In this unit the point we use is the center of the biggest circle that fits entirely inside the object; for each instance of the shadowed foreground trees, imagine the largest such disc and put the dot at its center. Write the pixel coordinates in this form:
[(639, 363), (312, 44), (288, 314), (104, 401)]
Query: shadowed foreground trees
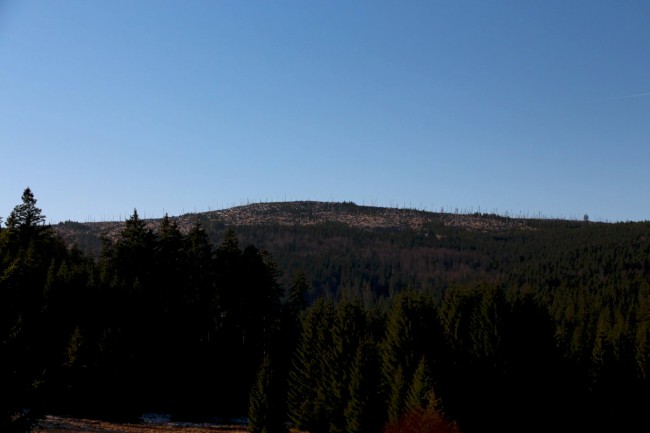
[(186, 319), (160, 315), (483, 359), (33, 265), (555, 337)]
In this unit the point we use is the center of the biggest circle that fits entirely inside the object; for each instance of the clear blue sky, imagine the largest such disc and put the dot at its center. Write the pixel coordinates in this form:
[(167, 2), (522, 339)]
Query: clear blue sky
[(524, 107)]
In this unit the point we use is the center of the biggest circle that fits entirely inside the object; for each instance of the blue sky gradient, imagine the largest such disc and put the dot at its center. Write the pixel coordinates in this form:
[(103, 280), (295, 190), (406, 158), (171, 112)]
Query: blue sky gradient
[(519, 107)]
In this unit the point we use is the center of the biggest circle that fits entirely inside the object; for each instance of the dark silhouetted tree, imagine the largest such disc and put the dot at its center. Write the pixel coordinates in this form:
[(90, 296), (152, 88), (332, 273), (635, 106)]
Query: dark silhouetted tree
[(29, 336), (265, 413), (298, 290), (411, 333), (364, 401), (26, 219)]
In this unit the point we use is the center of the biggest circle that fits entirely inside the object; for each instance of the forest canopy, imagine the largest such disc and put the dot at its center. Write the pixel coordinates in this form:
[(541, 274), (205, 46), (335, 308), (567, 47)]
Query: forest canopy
[(328, 327)]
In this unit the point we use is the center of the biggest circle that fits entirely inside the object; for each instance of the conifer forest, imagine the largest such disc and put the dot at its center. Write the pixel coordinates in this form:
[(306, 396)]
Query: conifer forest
[(516, 325)]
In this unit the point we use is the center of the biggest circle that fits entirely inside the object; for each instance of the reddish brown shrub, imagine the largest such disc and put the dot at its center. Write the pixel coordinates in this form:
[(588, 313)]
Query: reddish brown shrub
[(422, 421)]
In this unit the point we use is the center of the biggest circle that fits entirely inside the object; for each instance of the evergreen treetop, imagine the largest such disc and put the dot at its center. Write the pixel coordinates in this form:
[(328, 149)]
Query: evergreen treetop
[(26, 215)]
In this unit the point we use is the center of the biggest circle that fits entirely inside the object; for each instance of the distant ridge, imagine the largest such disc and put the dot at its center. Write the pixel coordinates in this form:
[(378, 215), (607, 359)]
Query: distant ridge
[(305, 213), (375, 251)]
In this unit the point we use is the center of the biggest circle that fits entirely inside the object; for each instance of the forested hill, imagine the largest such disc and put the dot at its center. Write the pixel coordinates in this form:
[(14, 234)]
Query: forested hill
[(328, 317), (300, 213), (378, 251)]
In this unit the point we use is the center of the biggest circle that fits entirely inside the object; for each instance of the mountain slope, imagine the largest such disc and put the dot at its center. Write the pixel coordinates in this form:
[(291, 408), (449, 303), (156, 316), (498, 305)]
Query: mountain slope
[(375, 251), (306, 213)]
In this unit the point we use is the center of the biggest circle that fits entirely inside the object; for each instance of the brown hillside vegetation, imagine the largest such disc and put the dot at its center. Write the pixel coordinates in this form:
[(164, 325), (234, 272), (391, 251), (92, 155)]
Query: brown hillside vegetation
[(306, 213)]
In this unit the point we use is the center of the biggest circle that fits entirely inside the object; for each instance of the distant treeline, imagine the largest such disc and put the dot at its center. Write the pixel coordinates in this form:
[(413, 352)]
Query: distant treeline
[(342, 330)]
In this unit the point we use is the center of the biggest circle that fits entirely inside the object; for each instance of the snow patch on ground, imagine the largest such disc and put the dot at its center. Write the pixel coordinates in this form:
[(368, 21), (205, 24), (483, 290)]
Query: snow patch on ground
[(166, 419), (155, 418)]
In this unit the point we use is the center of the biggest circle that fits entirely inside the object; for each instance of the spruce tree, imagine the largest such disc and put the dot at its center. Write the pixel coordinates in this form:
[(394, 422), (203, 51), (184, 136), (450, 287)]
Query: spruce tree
[(265, 413), (308, 395), (297, 293), (411, 333), (29, 256), (26, 216), (228, 278), (134, 249), (199, 294), (363, 405), (420, 393), (347, 332)]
